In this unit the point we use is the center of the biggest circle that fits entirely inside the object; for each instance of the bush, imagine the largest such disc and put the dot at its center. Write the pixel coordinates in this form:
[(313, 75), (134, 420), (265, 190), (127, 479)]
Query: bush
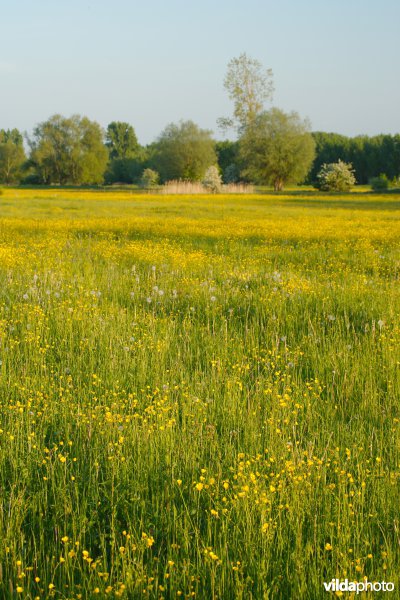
[(380, 183), (32, 179), (149, 179), (336, 177), (212, 180)]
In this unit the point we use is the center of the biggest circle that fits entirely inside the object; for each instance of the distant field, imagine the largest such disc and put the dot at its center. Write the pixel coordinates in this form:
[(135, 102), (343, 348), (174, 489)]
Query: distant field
[(199, 395)]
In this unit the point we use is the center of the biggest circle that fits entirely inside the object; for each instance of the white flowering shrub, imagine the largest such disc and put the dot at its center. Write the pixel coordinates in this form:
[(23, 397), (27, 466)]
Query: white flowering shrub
[(336, 177), (212, 180)]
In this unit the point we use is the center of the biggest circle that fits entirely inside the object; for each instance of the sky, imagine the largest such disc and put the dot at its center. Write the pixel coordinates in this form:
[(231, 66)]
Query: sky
[(152, 63)]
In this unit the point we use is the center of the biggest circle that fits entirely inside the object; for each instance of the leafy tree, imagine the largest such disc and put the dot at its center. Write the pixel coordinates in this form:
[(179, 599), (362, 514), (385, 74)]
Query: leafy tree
[(277, 148), (248, 84), (212, 180), (228, 160), (231, 174), (150, 179), (68, 150), (127, 157), (183, 151), (121, 140), (12, 155), (336, 177)]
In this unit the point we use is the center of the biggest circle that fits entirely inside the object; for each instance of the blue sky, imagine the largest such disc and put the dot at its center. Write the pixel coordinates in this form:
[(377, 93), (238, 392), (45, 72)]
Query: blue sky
[(335, 62)]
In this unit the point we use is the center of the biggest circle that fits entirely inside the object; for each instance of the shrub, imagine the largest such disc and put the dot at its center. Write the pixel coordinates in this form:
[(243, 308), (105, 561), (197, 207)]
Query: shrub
[(149, 179), (380, 183), (336, 177), (212, 180)]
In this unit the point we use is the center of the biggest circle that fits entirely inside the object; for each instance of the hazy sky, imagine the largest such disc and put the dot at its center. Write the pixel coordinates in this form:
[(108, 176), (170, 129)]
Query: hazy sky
[(155, 62)]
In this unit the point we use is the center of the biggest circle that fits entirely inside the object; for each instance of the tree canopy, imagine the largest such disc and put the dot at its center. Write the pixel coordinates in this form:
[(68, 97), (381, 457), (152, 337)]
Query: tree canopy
[(277, 148), (68, 150), (121, 140), (248, 85), (12, 155), (184, 151)]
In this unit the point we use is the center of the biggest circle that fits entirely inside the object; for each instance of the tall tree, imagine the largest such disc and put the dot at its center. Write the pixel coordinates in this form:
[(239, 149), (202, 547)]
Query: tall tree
[(184, 151), (121, 140), (248, 85), (12, 155), (277, 148), (68, 150)]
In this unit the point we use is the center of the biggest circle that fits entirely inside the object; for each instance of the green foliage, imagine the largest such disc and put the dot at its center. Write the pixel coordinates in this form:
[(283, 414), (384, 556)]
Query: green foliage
[(68, 150), (12, 155), (277, 148), (336, 177), (212, 180), (149, 179), (248, 85), (228, 160), (369, 156), (11, 135), (380, 183), (231, 174), (121, 140), (183, 151), (126, 170)]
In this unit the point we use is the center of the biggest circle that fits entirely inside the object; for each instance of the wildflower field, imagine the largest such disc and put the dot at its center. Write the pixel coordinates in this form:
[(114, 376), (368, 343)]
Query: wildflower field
[(199, 395)]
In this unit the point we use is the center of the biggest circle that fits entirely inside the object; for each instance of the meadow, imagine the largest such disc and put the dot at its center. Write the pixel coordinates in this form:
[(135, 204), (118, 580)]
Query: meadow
[(199, 395)]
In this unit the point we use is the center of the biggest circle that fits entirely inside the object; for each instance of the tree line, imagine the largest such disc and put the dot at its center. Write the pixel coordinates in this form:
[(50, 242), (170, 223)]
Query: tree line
[(76, 151), (272, 147)]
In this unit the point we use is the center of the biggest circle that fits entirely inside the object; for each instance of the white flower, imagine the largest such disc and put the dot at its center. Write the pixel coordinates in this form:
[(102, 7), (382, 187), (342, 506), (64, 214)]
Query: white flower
[(276, 276)]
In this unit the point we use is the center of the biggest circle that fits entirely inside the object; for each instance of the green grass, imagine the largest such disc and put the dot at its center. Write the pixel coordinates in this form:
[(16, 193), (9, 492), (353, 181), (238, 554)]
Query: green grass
[(199, 395)]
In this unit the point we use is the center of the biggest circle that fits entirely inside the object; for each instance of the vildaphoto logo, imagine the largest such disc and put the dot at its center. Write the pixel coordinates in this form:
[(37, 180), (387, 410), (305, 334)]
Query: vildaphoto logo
[(344, 585)]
